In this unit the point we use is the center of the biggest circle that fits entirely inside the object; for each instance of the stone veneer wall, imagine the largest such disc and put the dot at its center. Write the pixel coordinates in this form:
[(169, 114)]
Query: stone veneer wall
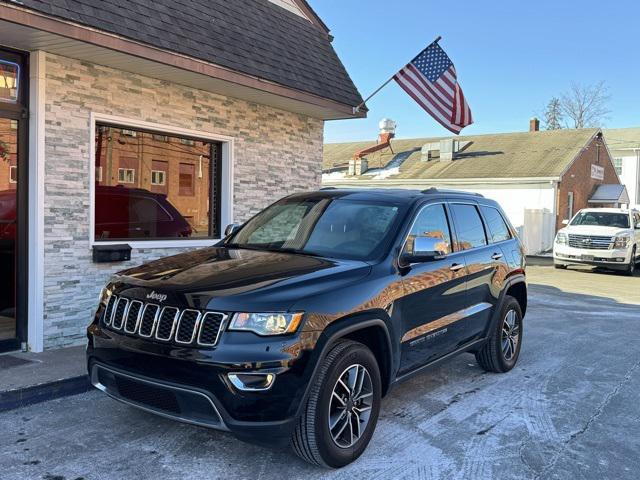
[(276, 153)]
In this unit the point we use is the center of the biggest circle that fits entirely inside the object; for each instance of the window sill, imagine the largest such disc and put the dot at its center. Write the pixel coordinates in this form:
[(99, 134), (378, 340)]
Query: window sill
[(146, 244)]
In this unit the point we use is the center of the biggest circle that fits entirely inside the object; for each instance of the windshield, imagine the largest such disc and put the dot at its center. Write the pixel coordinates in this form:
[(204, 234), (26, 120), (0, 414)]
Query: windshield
[(602, 219), (334, 228)]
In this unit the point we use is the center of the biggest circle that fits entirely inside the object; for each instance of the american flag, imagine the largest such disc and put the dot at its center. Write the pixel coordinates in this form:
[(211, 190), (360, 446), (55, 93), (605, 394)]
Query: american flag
[(430, 79)]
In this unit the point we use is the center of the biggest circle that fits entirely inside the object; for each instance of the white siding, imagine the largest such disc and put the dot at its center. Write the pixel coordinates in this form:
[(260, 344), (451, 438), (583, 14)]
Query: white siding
[(630, 176)]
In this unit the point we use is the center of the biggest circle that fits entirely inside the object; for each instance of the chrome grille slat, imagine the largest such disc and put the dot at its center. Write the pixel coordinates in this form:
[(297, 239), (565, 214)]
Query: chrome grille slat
[(592, 242), (211, 326), (108, 312), (166, 324), (149, 319), (187, 326), (133, 316), (120, 313)]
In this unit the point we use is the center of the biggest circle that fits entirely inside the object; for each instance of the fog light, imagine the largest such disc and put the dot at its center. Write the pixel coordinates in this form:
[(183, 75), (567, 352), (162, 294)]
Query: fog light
[(252, 382)]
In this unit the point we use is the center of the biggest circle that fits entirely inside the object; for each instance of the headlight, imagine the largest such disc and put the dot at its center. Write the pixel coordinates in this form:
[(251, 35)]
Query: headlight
[(561, 238), (621, 241), (105, 293), (266, 323)]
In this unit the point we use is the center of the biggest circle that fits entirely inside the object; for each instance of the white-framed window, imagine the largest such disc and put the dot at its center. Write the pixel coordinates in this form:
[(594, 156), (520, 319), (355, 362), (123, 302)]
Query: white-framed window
[(617, 163), (13, 174), (99, 173), (188, 141), (126, 175), (158, 177), (191, 222), (160, 138), (129, 133), (569, 206)]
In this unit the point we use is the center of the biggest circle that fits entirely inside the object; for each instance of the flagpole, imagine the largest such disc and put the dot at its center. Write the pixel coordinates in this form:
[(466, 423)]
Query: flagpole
[(364, 102)]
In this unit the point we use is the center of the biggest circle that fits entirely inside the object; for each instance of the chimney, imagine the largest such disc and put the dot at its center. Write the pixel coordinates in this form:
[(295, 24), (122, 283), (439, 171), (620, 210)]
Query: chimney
[(534, 125), (387, 132), (447, 149)]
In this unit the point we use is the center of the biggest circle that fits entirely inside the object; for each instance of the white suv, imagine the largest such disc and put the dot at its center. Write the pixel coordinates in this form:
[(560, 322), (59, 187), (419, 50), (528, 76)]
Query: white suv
[(605, 237)]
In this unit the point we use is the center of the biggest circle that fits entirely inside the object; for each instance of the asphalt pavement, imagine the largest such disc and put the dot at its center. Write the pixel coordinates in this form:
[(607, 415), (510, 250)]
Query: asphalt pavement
[(569, 410)]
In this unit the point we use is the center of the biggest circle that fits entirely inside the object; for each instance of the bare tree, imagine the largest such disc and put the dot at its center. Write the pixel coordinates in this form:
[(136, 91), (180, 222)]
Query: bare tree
[(585, 105), (552, 117)]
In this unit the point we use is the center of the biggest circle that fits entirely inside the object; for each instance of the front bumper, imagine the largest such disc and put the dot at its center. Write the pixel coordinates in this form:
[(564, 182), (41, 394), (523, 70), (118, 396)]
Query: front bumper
[(191, 384), (616, 259)]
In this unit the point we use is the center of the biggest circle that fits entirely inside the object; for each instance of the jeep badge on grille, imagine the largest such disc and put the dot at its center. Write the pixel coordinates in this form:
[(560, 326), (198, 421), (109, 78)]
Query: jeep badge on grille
[(158, 297)]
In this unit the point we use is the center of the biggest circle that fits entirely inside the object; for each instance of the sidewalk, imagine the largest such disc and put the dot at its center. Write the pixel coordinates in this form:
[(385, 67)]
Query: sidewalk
[(27, 377)]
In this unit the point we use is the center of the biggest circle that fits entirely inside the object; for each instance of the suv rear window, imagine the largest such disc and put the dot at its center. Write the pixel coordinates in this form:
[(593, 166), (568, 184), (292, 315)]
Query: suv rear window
[(469, 228), (496, 226)]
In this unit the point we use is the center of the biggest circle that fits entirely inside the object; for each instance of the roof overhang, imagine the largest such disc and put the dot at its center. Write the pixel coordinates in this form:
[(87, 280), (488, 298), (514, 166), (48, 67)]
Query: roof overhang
[(26, 30), (612, 193)]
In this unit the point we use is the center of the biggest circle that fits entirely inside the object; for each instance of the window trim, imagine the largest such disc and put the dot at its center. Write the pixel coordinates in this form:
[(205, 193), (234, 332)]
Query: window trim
[(13, 168), (488, 230), (164, 178), (422, 207), (125, 170), (227, 162), (482, 221)]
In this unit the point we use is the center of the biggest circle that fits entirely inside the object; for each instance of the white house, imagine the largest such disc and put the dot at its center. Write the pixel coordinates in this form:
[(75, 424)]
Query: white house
[(624, 145)]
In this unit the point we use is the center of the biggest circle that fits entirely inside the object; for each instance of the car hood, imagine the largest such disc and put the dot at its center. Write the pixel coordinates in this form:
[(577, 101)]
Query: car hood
[(595, 230), (230, 279)]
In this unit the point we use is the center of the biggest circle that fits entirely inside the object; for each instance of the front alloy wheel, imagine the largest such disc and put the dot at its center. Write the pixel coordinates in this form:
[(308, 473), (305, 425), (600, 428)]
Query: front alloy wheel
[(340, 415), (350, 406)]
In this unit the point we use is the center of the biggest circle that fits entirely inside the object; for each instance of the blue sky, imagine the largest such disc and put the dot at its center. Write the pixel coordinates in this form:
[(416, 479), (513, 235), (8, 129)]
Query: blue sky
[(511, 57)]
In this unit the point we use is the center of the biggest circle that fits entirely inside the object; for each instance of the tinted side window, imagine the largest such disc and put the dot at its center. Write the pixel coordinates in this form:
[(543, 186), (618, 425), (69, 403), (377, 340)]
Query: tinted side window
[(498, 230), (431, 222), (469, 228)]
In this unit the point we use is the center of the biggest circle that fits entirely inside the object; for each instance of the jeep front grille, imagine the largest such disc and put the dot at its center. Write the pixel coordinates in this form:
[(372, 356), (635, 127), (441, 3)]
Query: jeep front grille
[(591, 242), (166, 324)]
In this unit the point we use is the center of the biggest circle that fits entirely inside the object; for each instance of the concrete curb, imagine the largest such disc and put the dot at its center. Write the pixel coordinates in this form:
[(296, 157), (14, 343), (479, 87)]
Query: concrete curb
[(21, 397)]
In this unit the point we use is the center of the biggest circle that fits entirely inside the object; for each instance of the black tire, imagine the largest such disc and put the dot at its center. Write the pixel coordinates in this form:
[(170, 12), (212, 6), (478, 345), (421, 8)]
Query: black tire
[(312, 440), (559, 266), (631, 268), (491, 356)]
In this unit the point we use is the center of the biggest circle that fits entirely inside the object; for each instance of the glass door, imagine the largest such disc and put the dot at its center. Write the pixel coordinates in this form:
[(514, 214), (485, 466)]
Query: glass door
[(13, 199), (8, 226)]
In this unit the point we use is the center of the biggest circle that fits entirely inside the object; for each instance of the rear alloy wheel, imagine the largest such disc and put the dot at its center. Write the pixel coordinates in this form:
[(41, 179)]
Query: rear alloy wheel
[(502, 349), (342, 410)]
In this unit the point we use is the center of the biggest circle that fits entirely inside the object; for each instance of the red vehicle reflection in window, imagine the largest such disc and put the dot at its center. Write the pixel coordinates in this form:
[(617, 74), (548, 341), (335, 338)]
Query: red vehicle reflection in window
[(132, 213), (121, 214), (8, 215)]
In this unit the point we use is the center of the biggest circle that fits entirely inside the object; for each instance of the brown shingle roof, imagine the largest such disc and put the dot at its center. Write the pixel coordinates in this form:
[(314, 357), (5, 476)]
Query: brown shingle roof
[(255, 37), (504, 155)]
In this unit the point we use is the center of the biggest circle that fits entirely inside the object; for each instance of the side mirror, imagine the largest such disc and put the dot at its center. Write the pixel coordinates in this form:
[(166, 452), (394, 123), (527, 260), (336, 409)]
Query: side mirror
[(565, 221), (231, 229), (426, 249)]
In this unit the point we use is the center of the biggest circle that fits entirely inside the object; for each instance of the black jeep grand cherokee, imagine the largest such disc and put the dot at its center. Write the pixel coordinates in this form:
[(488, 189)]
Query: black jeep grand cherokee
[(297, 323)]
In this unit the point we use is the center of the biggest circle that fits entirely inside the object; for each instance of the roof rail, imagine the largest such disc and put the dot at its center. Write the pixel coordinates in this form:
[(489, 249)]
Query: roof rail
[(438, 190)]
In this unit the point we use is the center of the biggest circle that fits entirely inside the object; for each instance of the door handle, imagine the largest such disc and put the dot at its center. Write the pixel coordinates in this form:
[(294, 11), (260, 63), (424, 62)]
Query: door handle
[(496, 256), (456, 266)]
